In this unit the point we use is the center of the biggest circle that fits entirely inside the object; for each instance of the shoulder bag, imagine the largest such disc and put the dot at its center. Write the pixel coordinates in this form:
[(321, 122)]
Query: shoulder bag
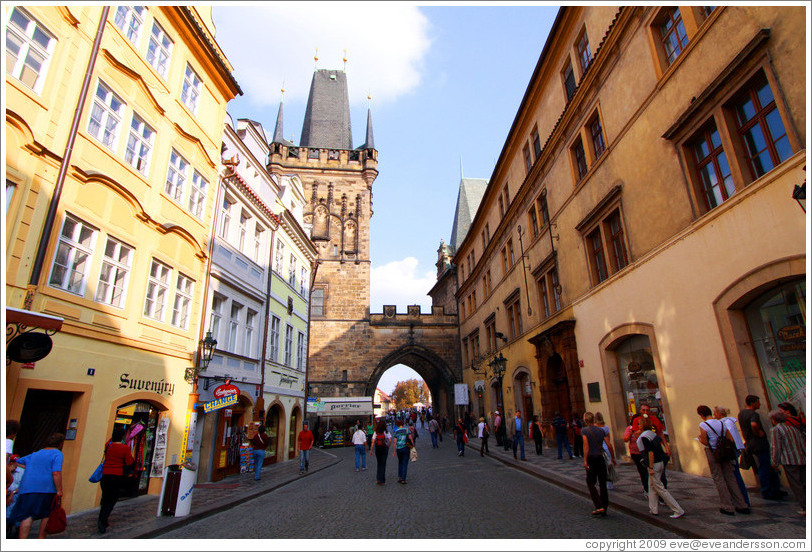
[(96, 476)]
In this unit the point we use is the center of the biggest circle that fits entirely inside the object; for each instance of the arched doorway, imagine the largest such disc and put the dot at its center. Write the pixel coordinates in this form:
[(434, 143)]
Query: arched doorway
[(523, 393), (140, 421), (275, 426), (497, 395), (560, 387), (231, 424), (295, 423)]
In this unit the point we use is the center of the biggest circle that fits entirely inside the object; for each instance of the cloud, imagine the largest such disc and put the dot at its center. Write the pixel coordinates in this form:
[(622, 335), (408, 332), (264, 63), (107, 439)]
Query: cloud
[(268, 44), (398, 283)]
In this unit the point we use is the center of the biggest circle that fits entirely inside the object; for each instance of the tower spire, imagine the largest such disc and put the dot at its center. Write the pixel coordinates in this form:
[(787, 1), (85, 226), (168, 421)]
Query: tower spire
[(316, 60), (370, 141), (277, 133), (461, 176)]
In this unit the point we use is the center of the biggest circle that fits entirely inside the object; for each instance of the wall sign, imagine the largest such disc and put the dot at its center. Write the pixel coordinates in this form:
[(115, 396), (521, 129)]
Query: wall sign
[(159, 456), (160, 386), (228, 400), (225, 391)]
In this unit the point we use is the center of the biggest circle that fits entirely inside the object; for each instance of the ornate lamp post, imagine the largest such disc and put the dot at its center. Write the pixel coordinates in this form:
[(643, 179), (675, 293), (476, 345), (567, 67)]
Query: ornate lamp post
[(498, 365), (205, 352)]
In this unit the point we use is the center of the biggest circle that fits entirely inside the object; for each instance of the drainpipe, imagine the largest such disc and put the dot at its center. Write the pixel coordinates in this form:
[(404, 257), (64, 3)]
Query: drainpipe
[(47, 229), (314, 269), (259, 406)]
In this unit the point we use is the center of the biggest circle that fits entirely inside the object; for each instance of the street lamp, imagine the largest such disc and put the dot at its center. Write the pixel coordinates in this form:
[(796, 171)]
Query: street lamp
[(799, 195), (498, 364), (207, 346)]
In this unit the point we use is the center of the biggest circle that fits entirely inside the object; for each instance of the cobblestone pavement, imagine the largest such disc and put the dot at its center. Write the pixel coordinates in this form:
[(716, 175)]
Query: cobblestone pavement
[(458, 497), (446, 496)]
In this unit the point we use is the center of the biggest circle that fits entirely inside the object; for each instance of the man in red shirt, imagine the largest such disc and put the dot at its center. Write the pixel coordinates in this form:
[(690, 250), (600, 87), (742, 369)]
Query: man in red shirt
[(305, 444), (658, 428)]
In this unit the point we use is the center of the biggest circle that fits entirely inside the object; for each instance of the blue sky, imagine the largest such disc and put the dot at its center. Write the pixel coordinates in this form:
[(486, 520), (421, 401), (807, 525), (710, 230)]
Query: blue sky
[(445, 83)]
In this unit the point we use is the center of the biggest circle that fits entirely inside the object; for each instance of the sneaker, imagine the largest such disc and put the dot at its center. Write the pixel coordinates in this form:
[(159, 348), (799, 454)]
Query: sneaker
[(726, 512), (677, 516), (301, 472)]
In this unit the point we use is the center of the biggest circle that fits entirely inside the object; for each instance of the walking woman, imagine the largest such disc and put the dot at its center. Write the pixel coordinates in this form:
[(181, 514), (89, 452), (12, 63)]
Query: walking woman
[(593, 438), (651, 445), (380, 444), (537, 435), (117, 456), (483, 434), (608, 450), (42, 480), (403, 443), (460, 434), (710, 431), (259, 442)]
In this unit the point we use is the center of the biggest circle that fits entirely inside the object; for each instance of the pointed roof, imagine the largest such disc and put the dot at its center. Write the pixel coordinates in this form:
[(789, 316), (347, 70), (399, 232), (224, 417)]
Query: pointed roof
[(370, 141), (277, 132), (327, 117), (470, 195)]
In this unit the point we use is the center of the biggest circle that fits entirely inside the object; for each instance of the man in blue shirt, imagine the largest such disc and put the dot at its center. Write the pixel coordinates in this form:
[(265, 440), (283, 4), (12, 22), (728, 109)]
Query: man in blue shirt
[(518, 437), (402, 439)]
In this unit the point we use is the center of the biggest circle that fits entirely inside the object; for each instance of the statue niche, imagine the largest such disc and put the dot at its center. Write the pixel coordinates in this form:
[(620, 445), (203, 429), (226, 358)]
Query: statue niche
[(321, 223), (351, 237)]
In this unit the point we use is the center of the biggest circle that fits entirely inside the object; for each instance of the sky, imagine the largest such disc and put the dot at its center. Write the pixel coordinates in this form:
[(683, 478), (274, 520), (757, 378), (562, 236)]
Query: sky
[(445, 84)]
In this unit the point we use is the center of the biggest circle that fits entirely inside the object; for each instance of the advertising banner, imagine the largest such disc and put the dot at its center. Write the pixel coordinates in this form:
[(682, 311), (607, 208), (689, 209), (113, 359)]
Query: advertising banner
[(339, 406), (460, 394)]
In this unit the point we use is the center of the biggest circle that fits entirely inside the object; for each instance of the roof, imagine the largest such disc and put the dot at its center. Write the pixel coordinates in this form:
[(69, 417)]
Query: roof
[(471, 192), (327, 117)]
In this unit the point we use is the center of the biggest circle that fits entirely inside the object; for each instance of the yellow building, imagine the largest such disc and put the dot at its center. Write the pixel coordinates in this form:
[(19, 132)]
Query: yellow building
[(112, 149), (638, 239)]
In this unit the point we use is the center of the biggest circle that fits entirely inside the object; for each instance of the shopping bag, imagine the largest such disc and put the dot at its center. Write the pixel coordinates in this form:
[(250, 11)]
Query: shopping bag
[(413, 455), (57, 521), (96, 476)]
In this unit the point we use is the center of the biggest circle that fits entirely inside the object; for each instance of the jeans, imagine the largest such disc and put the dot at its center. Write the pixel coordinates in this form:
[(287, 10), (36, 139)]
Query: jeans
[(380, 455), (767, 476), (460, 445), (563, 441), (111, 488), (518, 442), (596, 472), (403, 462), (739, 481), (659, 491), (578, 445), (434, 439), (483, 447), (258, 455), (304, 460), (360, 457)]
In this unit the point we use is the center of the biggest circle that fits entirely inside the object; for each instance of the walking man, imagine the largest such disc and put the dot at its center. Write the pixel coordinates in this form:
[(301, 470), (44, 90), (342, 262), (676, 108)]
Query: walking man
[(434, 431), (305, 444), (561, 438), (518, 436), (498, 428), (757, 443)]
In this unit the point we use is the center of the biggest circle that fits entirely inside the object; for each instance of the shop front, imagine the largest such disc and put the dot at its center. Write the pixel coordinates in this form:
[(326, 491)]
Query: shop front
[(146, 426)]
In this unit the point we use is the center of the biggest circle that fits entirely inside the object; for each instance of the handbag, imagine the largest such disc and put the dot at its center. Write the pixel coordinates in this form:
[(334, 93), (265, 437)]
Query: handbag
[(57, 520), (413, 455), (746, 460), (611, 472), (464, 437), (96, 476)]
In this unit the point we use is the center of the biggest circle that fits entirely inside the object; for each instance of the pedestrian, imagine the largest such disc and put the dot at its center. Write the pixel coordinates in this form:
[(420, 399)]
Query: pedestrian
[(594, 464), (118, 463), (537, 434), (758, 445), (659, 429), (41, 482), (359, 439), (498, 427), (651, 445), (305, 439), (793, 418), (434, 431), (12, 427), (608, 450), (16, 472), (577, 442), (561, 426), (370, 431), (483, 434), (518, 435), (460, 435), (710, 432), (630, 437), (721, 413), (788, 449), (259, 442), (403, 444), (380, 444)]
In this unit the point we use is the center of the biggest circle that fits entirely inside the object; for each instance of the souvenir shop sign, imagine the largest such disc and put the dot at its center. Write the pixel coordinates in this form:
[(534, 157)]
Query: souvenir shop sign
[(160, 386), (335, 406), (228, 400)]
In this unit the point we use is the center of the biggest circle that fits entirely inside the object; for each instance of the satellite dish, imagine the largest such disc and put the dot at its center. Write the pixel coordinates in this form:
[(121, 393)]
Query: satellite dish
[(29, 347)]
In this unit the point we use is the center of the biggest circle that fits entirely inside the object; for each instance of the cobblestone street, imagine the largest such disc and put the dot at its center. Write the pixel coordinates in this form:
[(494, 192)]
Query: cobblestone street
[(446, 496)]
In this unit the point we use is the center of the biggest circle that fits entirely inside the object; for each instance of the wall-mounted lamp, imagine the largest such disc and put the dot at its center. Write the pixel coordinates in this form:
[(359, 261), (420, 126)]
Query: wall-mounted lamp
[(799, 194)]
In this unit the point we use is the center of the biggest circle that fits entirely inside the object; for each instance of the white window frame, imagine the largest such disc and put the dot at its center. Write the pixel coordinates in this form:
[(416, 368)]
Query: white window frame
[(190, 90), (77, 256), (235, 313), (225, 218), (197, 194), (117, 262), (248, 337), (288, 345), (259, 237), (274, 337), (139, 144), (106, 115), (29, 48), (181, 308), (303, 282), (130, 22), (159, 49), (300, 352), (217, 303), (176, 176), (242, 229), (280, 256), (157, 290), (292, 271)]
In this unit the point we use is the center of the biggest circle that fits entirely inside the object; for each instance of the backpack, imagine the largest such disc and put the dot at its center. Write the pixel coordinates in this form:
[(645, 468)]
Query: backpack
[(725, 450), (560, 425), (380, 439)]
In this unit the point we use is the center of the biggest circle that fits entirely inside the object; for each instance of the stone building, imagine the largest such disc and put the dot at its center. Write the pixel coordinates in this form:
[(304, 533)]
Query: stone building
[(641, 241), (114, 122)]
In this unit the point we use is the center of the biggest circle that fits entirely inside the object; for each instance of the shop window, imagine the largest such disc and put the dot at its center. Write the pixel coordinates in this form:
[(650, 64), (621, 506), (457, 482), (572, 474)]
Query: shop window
[(777, 324), (638, 377), (146, 435), (77, 242), (29, 47)]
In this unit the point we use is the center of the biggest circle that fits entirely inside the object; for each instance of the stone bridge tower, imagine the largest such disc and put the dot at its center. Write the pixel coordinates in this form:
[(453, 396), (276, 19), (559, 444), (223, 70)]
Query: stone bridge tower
[(348, 350)]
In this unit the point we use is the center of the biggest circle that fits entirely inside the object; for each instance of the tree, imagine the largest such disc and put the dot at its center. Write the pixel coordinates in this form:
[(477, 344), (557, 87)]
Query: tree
[(406, 393), (425, 394)]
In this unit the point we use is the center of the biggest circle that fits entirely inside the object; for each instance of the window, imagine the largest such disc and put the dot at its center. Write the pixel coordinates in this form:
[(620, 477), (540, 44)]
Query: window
[(541, 285), (217, 306), (225, 218), (672, 34), (598, 142), (760, 127), (501, 207), (183, 301), (528, 160), (159, 50), (487, 232), (280, 256), (580, 158), (556, 289), (190, 93), (514, 315), (248, 338), (234, 326), (115, 273), (72, 260), (197, 194), (139, 144), (618, 256), (486, 283), (706, 10), (105, 116), (490, 334), (569, 82), (584, 55), (534, 220), (465, 351), (292, 270), (303, 282), (300, 352), (536, 142), (545, 213), (484, 242), (712, 166), (289, 345), (505, 265), (157, 288), (176, 176), (28, 49), (274, 348), (259, 233), (317, 302), (129, 20), (511, 258), (597, 259), (605, 241), (475, 352), (243, 229), (11, 187)]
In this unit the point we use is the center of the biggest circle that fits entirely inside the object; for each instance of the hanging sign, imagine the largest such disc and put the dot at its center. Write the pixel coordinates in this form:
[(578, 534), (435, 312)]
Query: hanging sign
[(460, 394), (225, 391), (222, 402)]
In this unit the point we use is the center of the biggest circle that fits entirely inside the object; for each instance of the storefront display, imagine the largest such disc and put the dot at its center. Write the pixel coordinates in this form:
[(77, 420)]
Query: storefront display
[(140, 420), (638, 376)]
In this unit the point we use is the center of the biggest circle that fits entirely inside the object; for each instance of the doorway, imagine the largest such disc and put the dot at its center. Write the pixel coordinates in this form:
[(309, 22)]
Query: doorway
[(230, 436), (44, 412), (273, 424)]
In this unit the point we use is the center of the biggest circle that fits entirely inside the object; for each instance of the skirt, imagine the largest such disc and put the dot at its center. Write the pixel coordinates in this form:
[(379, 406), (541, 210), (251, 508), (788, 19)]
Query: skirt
[(32, 505)]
